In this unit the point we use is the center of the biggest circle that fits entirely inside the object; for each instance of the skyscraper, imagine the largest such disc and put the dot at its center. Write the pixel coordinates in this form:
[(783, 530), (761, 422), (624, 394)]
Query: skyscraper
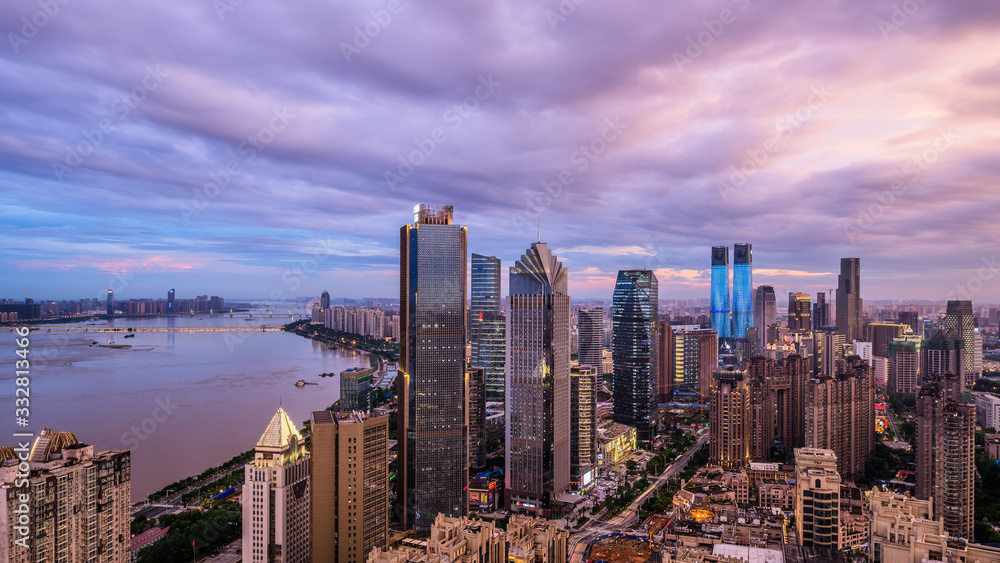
[(849, 302), (727, 419), (583, 434), (432, 432), (634, 351), (171, 308), (111, 302), (476, 409), (959, 322), (324, 300), (883, 334), (817, 498), (840, 415), (742, 290), (820, 311), (63, 502), (665, 364), (765, 311), (276, 496), (696, 355), (590, 327), (721, 322), (904, 364), (799, 312), (350, 481), (487, 324), (537, 463), (946, 471), (941, 355), (356, 389)]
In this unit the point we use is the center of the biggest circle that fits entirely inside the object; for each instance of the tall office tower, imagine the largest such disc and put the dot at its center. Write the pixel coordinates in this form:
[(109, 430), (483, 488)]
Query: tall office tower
[(828, 349), (487, 324), (324, 300), (911, 319), (820, 310), (349, 515), (728, 410), (634, 351), (883, 334), (76, 503), (799, 312), (276, 495), (742, 290), (590, 326), (721, 322), (171, 308), (665, 363), (356, 390), (538, 403), (941, 355), (946, 471), (583, 427), (111, 302), (696, 355), (849, 303), (476, 410), (840, 415), (817, 498), (765, 311), (959, 322), (432, 432), (904, 364)]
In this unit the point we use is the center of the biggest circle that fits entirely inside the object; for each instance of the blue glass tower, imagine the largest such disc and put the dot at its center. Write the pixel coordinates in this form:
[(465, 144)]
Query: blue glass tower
[(720, 292), (635, 351), (742, 290), (487, 324)]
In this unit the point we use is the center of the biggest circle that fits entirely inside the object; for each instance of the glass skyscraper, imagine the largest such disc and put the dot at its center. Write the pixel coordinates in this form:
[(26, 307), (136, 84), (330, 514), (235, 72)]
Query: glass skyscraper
[(537, 464), (765, 311), (590, 328), (960, 324), (487, 328), (433, 436), (849, 304), (720, 292), (742, 290), (635, 351)]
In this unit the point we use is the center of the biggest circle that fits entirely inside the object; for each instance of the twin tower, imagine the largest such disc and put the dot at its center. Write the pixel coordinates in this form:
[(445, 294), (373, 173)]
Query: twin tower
[(732, 321)]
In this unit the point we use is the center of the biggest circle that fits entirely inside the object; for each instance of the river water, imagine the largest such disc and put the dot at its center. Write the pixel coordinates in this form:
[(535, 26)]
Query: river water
[(180, 401)]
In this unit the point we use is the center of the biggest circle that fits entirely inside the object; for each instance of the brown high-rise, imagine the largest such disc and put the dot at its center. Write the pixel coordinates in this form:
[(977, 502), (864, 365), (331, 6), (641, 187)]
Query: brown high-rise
[(799, 312), (840, 415), (849, 304), (775, 409), (727, 419), (350, 481), (946, 471), (665, 351)]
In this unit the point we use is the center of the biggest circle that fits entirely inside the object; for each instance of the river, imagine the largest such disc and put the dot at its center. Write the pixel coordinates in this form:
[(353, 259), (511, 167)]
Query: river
[(180, 401)]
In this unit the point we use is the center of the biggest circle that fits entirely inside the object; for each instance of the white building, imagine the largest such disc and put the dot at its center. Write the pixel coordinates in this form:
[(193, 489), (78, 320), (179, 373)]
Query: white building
[(279, 474), (987, 410)]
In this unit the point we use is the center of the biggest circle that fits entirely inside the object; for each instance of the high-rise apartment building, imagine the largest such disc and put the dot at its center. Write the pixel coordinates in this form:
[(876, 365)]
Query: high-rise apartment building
[(959, 322), (799, 312), (946, 471), (850, 308), (817, 498), (324, 300), (910, 319), (476, 409), (349, 514), (590, 327), (828, 349), (583, 427), (64, 502), (665, 362), (537, 460), (634, 351), (276, 496), (742, 290), (727, 420), (432, 432), (765, 312), (840, 415), (882, 334), (696, 355), (487, 324), (904, 364), (721, 321)]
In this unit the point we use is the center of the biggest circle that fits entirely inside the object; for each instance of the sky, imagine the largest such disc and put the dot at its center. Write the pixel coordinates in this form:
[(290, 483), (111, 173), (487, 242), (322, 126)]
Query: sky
[(273, 150)]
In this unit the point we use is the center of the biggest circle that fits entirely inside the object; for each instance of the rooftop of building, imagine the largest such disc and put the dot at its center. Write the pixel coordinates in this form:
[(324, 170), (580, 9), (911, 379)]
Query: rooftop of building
[(279, 432), (619, 548)]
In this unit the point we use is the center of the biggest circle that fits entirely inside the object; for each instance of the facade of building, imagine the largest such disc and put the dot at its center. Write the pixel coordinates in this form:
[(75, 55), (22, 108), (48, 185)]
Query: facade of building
[(590, 327), (537, 460), (946, 471), (356, 389), (720, 312), (487, 324), (349, 513), (765, 312), (817, 498), (941, 355), (634, 351), (904, 364), (799, 312), (743, 295), (960, 324), (821, 312), (77, 505), (433, 436), (696, 355), (665, 360), (727, 419), (614, 443), (840, 415), (987, 410), (476, 409), (882, 334), (850, 306), (583, 430), (276, 496)]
